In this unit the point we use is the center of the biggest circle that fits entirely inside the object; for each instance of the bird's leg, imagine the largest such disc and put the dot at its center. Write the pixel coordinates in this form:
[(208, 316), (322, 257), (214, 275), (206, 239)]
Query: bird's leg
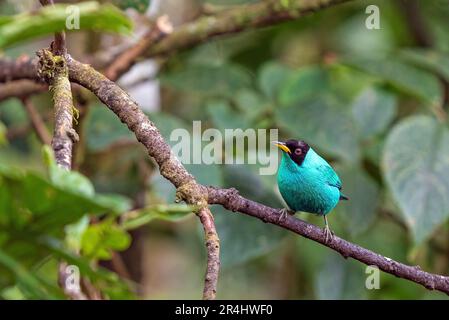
[(284, 212), (328, 234)]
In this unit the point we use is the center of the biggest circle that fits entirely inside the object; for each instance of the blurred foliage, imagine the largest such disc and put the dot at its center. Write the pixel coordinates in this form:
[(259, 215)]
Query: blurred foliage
[(373, 102), (89, 15)]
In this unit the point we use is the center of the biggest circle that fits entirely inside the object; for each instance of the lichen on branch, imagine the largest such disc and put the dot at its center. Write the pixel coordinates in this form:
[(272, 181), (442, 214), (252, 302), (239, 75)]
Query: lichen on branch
[(53, 70)]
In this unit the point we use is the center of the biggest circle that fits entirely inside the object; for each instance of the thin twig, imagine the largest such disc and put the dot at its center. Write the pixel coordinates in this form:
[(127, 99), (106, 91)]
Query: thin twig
[(213, 253), (53, 69), (20, 88), (126, 59), (37, 122)]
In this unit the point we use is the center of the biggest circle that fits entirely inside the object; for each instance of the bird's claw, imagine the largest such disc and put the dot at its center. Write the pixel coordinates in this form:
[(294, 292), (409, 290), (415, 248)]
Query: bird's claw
[(283, 213), (328, 234)]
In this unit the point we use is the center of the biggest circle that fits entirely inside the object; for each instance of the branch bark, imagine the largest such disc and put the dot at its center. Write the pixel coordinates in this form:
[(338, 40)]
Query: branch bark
[(213, 254), (240, 18), (53, 69), (231, 200)]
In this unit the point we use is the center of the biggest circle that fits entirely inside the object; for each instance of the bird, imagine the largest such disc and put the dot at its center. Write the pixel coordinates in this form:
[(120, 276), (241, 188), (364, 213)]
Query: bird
[(307, 182)]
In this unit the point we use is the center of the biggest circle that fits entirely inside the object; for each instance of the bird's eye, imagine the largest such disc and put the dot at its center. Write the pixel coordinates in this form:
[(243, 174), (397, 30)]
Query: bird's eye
[(298, 152)]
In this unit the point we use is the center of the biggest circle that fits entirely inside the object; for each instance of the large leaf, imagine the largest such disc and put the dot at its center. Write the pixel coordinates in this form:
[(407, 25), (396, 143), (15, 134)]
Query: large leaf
[(52, 19), (340, 279), (271, 77), (358, 213), (323, 123), (373, 111), (103, 129), (222, 79), (404, 77), (415, 164), (304, 84)]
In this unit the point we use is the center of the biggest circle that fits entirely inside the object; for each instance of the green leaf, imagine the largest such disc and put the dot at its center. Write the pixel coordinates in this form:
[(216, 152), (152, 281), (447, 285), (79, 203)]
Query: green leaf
[(359, 212), (340, 279), (244, 238), (222, 80), (304, 84), (251, 104), (417, 171), (373, 110), (224, 117), (271, 77), (138, 218), (434, 61), (50, 19), (404, 77), (324, 123), (101, 239), (3, 131), (74, 233), (139, 5)]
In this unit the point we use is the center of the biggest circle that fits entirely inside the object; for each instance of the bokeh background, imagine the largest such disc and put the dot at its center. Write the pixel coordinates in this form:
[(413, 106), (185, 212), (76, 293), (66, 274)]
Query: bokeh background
[(372, 102)]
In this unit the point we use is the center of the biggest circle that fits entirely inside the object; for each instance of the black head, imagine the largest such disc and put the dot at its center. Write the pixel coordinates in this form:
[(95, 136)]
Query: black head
[(296, 149)]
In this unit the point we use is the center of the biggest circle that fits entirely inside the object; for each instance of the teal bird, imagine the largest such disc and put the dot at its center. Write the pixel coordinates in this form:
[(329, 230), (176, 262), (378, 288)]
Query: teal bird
[(307, 182)]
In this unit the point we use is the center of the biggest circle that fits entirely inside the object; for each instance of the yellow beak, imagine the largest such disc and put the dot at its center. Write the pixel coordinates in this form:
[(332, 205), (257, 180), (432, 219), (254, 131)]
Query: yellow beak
[(282, 146)]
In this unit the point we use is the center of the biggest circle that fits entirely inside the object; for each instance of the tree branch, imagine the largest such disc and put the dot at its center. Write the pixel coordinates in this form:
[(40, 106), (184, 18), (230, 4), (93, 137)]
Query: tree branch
[(37, 122), (231, 200), (237, 19), (188, 189), (126, 59), (154, 43), (20, 89), (53, 69)]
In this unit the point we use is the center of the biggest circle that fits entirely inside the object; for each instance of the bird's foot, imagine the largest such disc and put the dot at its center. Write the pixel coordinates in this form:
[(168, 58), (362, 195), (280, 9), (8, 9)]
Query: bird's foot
[(328, 234), (283, 213)]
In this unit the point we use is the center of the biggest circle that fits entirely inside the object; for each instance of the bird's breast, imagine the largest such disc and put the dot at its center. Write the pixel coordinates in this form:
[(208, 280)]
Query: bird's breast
[(304, 190)]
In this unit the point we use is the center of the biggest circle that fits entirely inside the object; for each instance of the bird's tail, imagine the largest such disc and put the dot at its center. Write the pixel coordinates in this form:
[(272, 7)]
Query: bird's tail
[(343, 197)]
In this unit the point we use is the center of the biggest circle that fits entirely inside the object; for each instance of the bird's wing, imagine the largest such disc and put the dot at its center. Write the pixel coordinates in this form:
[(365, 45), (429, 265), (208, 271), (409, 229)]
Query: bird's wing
[(330, 176)]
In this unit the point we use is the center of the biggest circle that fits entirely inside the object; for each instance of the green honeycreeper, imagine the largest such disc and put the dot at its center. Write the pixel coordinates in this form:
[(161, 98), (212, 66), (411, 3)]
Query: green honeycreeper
[(307, 182)]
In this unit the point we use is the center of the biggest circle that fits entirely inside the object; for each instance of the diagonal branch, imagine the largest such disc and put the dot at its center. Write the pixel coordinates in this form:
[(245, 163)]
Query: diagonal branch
[(237, 19), (231, 200)]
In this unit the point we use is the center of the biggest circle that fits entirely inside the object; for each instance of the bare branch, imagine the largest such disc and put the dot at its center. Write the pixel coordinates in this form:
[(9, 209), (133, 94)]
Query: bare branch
[(231, 200), (20, 88), (53, 69), (237, 19), (37, 122), (213, 253), (126, 59)]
